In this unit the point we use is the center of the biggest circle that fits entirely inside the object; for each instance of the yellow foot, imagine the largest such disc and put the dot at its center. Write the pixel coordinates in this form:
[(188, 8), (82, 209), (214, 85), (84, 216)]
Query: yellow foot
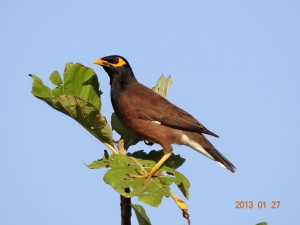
[(150, 175), (147, 176), (153, 171)]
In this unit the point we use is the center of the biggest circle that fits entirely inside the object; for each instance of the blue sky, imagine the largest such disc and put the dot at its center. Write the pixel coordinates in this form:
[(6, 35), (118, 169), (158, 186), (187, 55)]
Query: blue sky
[(235, 67)]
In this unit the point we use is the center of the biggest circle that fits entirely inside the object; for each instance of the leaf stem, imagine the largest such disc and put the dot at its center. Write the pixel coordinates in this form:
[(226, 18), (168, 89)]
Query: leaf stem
[(111, 148)]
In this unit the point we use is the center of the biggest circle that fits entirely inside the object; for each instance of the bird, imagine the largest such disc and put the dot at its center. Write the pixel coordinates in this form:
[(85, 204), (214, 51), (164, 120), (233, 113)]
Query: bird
[(153, 118)]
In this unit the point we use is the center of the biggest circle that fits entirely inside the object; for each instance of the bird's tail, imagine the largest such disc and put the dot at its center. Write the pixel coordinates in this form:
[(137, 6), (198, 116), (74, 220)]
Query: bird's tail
[(199, 143)]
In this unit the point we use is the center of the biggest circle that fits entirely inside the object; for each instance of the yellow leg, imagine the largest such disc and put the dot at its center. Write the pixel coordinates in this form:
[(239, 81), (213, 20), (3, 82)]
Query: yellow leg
[(157, 166)]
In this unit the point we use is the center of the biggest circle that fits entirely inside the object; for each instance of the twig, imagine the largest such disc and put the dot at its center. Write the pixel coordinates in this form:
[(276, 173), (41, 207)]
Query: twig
[(111, 148), (126, 209)]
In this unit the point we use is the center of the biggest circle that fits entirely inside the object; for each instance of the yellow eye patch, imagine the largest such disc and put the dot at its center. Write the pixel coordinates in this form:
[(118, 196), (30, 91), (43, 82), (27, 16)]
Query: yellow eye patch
[(120, 63)]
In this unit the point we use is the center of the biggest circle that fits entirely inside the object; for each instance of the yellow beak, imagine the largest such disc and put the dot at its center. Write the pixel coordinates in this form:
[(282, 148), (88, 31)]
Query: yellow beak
[(101, 62)]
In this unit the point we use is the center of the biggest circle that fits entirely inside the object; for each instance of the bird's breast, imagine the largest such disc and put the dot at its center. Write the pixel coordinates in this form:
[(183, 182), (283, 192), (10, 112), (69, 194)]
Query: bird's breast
[(123, 106)]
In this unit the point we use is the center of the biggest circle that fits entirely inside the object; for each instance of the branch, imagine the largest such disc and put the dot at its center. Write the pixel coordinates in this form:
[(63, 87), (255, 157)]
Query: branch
[(125, 209)]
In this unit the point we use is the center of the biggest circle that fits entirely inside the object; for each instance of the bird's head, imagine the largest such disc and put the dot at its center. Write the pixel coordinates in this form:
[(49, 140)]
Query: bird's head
[(117, 67)]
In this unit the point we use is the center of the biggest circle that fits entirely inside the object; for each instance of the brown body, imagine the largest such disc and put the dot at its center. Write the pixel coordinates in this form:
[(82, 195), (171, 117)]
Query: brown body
[(153, 118), (145, 126)]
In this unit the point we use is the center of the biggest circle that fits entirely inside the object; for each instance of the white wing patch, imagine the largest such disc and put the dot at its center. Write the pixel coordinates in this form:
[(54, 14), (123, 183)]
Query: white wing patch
[(157, 122), (194, 145), (222, 165)]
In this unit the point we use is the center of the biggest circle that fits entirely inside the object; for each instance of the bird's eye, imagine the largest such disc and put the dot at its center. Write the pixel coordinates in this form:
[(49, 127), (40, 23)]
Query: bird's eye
[(116, 60)]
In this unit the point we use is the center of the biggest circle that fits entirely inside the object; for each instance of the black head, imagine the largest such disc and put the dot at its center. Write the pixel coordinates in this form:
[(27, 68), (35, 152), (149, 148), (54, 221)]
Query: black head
[(117, 67)]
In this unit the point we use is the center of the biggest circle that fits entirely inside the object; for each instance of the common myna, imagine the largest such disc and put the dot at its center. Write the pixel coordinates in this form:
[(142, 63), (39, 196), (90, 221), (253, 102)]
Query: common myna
[(151, 117)]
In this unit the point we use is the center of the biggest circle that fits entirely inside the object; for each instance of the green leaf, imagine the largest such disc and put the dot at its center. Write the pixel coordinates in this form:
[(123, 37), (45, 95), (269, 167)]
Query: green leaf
[(175, 161), (163, 85), (82, 82), (39, 89), (121, 161), (181, 181), (100, 163), (55, 78), (129, 172), (129, 139), (78, 97), (126, 172), (262, 223), (141, 215)]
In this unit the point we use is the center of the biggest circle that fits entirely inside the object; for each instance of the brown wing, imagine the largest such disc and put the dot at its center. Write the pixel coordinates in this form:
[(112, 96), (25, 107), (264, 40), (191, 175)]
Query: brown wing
[(150, 106)]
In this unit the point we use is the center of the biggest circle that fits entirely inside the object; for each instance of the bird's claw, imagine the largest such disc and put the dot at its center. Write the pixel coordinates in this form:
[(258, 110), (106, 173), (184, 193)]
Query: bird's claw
[(146, 176)]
